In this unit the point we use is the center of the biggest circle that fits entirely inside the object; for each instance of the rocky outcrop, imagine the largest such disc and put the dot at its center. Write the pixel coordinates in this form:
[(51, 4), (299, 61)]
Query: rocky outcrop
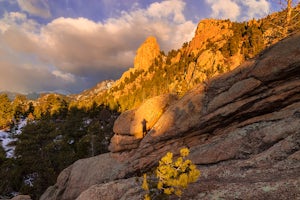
[(210, 38), (83, 174), (86, 95), (121, 189), (242, 128), (22, 197), (146, 53), (131, 126), (211, 30), (145, 57)]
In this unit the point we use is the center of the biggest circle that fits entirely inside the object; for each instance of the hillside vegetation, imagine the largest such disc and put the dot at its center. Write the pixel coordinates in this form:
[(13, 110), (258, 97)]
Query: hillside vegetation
[(56, 135), (217, 47)]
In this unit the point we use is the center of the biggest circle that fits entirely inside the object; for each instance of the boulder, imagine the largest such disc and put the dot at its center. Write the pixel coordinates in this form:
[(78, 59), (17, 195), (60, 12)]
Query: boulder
[(120, 189), (131, 126), (120, 143), (22, 197), (81, 175)]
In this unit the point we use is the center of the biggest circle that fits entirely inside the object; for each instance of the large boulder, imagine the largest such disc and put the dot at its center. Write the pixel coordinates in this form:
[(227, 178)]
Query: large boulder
[(121, 189), (22, 197), (81, 175), (131, 126)]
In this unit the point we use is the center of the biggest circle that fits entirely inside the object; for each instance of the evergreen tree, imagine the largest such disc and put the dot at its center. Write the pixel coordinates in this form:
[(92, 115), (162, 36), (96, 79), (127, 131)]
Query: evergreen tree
[(36, 157), (19, 106), (6, 111)]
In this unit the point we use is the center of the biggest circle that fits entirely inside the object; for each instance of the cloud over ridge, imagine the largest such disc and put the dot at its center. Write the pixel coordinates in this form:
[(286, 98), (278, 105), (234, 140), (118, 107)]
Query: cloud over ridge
[(238, 9), (75, 51)]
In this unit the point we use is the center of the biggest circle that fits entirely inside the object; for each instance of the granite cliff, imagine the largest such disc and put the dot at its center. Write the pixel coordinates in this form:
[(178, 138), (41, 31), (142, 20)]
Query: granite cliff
[(242, 128), (146, 54)]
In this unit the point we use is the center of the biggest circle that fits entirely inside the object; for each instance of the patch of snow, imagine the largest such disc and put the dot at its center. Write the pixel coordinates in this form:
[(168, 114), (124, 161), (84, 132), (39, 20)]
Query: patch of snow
[(21, 125), (29, 179), (71, 141), (14, 193), (58, 138), (7, 137), (88, 121)]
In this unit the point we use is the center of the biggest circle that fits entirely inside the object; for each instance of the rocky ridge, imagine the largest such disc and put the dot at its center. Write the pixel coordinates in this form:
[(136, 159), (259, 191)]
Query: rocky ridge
[(92, 92), (242, 128), (213, 30), (144, 58), (217, 47)]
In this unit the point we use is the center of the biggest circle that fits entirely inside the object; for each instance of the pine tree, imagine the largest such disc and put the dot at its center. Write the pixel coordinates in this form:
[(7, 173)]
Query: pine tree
[(6, 111)]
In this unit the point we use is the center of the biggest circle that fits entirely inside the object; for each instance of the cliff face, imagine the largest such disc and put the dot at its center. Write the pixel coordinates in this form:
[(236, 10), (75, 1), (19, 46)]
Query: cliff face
[(210, 30), (146, 54), (242, 128)]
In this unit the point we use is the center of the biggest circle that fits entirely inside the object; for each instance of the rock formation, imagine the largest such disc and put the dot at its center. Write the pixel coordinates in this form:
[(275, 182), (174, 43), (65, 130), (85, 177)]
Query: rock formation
[(132, 125), (22, 197), (146, 53), (83, 174), (145, 57), (242, 128), (212, 30)]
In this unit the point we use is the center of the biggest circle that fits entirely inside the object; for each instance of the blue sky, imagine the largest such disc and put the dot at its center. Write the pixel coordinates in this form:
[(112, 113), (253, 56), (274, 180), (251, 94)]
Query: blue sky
[(71, 45)]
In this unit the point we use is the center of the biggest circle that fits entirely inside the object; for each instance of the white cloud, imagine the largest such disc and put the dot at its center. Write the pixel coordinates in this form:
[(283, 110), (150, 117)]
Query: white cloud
[(225, 9), (75, 51), (171, 8), (239, 9), (66, 76), (81, 46), (35, 7), (17, 16), (19, 21), (256, 8)]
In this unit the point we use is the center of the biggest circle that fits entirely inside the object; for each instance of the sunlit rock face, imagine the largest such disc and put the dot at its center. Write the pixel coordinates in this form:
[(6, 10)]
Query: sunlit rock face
[(211, 30), (146, 54), (242, 129), (133, 125)]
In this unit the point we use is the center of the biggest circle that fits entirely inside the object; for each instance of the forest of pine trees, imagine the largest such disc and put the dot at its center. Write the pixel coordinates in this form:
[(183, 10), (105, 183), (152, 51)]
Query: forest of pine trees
[(55, 136)]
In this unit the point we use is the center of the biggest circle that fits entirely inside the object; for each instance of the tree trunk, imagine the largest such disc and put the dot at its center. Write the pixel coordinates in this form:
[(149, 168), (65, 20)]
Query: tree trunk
[(288, 16)]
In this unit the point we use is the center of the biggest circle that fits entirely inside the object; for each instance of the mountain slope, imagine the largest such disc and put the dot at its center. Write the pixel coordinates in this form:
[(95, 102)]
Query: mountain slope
[(217, 47), (242, 129)]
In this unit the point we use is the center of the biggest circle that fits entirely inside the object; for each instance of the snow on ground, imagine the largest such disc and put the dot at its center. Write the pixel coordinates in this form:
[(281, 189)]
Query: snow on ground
[(20, 126), (7, 137)]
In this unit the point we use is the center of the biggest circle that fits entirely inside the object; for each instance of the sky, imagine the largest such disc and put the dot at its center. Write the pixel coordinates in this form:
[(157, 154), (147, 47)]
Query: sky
[(71, 45)]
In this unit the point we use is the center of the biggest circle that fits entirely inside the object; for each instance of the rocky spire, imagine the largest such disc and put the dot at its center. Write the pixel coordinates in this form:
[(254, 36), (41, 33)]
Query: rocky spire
[(146, 53)]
